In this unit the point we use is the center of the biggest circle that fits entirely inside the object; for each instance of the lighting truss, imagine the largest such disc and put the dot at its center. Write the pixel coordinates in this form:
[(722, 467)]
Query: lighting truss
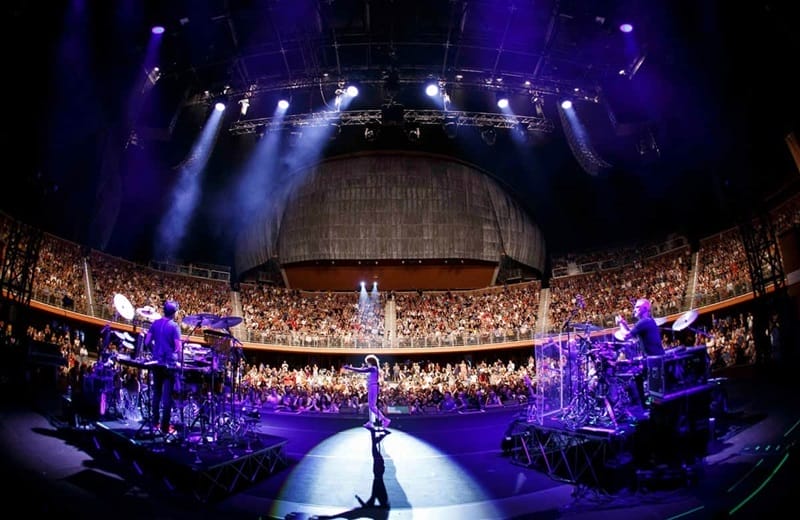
[(363, 117)]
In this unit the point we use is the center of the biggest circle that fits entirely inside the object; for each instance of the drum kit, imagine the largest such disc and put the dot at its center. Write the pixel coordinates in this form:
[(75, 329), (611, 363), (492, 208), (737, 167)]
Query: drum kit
[(606, 385), (208, 375)]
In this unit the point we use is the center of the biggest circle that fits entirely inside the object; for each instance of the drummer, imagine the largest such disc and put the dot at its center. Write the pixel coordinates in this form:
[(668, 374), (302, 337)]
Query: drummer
[(645, 331), (648, 336)]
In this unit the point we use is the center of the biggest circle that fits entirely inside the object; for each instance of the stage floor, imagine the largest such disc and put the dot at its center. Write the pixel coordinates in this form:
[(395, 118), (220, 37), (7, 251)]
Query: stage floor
[(427, 467)]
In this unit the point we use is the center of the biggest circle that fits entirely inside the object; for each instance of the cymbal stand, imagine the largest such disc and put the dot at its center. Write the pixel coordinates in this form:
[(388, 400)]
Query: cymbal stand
[(145, 401), (207, 418), (179, 390), (577, 412), (233, 423)]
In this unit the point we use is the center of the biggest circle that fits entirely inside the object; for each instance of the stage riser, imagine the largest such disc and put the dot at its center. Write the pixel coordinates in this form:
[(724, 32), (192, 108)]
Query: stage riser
[(200, 473), (675, 435)]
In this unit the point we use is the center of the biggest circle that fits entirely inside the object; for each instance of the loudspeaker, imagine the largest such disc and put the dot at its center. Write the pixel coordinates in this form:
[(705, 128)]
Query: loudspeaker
[(678, 429)]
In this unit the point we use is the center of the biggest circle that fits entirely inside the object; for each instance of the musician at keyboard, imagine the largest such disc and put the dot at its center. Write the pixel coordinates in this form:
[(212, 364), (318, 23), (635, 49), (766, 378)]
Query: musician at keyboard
[(164, 337)]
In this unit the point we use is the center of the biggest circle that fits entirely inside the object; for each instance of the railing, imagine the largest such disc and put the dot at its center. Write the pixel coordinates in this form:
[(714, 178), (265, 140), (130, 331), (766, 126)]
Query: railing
[(310, 341)]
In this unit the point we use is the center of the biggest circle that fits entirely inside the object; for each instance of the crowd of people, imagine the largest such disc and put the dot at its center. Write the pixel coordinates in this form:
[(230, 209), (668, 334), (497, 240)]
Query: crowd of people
[(672, 276)]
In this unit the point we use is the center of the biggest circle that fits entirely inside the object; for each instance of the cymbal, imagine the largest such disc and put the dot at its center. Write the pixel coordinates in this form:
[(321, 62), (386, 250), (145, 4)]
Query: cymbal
[(124, 336), (201, 319), (226, 322), (123, 306), (148, 312), (685, 320), (660, 321), (588, 327)]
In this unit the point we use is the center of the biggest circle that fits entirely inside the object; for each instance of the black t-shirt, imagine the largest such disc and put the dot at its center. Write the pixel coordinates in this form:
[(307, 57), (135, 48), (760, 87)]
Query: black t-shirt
[(649, 336)]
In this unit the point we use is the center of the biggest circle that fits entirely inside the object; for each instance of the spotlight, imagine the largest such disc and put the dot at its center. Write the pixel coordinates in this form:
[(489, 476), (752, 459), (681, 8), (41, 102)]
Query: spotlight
[(489, 135), (158, 29), (245, 104), (283, 104), (336, 129), (351, 91), (566, 104), (219, 106), (626, 27), (414, 134), (432, 89), (521, 131), (371, 132), (502, 101), (450, 126)]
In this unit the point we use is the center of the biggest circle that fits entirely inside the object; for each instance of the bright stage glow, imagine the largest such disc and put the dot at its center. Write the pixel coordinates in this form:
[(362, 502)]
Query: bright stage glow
[(348, 456)]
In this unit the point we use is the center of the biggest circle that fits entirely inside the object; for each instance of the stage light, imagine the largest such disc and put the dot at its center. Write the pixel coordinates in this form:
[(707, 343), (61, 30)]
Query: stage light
[(219, 106), (626, 27), (502, 101), (283, 104), (244, 105), (432, 89), (566, 104), (371, 133), (158, 29), (450, 126), (521, 131), (414, 134), (489, 135), (352, 91)]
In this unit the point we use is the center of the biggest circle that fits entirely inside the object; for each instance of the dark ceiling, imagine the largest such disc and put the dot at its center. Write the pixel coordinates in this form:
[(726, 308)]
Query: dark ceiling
[(687, 132)]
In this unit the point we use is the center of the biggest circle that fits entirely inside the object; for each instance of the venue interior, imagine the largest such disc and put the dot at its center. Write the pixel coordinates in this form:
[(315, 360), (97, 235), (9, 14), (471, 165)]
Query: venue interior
[(488, 199)]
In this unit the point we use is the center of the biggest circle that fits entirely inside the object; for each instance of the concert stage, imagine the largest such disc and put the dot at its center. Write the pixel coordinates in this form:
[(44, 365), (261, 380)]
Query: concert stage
[(205, 469)]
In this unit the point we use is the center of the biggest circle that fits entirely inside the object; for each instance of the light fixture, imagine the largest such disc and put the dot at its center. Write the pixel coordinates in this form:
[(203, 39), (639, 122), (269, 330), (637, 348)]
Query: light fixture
[(489, 135), (414, 133), (244, 104), (450, 125), (372, 131), (521, 131), (502, 101)]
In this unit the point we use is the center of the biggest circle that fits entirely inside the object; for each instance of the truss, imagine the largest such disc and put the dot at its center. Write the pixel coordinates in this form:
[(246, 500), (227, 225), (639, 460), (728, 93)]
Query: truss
[(367, 117)]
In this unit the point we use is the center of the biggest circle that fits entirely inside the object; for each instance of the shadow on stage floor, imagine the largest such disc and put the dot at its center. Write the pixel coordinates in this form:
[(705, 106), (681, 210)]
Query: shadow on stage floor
[(296, 466)]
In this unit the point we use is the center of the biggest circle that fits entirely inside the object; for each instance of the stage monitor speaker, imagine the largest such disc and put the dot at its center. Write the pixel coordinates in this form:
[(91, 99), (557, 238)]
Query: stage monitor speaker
[(678, 429), (679, 369)]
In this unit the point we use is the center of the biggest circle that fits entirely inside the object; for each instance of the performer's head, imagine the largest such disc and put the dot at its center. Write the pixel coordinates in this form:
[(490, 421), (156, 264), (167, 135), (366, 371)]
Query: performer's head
[(170, 308), (641, 308), (371, 360)]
